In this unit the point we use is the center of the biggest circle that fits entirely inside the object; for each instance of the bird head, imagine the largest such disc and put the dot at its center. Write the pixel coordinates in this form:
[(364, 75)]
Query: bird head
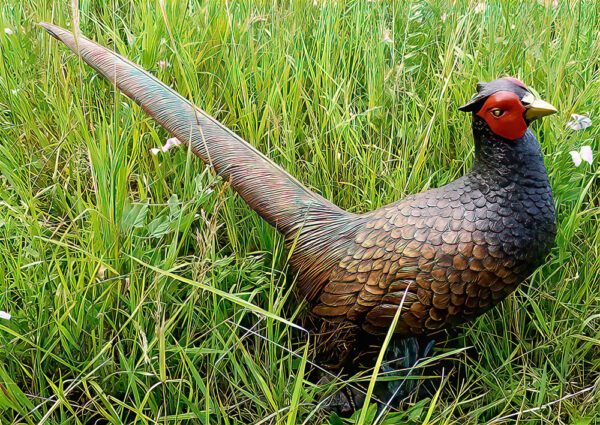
[(507, 106)]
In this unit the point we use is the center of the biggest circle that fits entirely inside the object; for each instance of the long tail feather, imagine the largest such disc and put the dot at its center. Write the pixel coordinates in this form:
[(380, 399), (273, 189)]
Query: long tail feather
[(268, 189), (317, 229)]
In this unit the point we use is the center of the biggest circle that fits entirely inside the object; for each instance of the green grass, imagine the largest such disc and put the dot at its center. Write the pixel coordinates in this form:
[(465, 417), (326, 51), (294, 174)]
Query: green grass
[(142, 290)]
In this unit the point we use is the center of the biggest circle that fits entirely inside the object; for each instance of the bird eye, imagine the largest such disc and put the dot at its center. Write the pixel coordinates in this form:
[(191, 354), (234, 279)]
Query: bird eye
[(497, 112)]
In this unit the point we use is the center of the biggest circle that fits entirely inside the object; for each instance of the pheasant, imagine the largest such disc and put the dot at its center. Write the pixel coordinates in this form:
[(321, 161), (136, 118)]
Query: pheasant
[(443, 256)]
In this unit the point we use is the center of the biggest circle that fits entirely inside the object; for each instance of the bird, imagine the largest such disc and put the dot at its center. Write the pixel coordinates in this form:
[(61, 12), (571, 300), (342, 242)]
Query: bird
[(432, 260)]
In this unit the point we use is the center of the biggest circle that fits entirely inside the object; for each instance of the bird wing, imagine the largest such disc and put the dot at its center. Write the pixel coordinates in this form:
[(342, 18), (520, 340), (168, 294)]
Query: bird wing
[(382, 264), (423, 253)]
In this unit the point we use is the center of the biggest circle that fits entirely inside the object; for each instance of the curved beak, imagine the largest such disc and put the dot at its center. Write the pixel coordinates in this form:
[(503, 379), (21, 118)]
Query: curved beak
[(537, 109)]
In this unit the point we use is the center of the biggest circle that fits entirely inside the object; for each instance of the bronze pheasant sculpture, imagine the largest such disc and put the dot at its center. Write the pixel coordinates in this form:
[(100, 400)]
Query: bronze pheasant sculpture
[(452, 252)]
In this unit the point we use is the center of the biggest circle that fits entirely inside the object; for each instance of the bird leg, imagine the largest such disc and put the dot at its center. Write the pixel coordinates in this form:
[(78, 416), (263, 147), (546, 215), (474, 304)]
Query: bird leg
[(398, 376), (400, 366)]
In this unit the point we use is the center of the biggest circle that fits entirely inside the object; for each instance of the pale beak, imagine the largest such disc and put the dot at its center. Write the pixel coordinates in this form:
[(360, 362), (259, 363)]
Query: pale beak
[(537, 108)]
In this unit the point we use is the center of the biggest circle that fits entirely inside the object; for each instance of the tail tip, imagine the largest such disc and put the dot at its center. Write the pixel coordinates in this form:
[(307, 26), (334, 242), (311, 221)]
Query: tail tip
[(50, 29)]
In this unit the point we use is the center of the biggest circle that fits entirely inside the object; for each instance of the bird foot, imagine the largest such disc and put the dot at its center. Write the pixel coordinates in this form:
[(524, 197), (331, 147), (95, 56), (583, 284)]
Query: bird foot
[(401, 361), (399, 367), (346, 400)]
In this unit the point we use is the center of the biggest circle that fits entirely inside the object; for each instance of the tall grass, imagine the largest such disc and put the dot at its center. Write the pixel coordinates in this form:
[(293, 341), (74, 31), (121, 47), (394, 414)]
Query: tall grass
[(142, 290)]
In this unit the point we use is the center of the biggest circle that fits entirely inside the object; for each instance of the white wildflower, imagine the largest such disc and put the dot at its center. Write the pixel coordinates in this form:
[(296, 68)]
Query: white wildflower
[(4, 315), (101, 272), (14, 92), (512, 27), (163, 64), (480, 7), (444, 17), (579, 122), (386, 36), (8, 31), (173, 141), (584, 154)]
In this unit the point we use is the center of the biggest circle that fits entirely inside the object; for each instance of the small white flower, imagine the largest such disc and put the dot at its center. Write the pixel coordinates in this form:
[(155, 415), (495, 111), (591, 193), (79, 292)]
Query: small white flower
[(14, 92), (444, 17), (481, 6), (163, 64), (163, 41), (4, 315), (101, 272), (512, 27), (8, 31), (576, 157), (579, 122), (584, 154), (386, 37), (173, 141)]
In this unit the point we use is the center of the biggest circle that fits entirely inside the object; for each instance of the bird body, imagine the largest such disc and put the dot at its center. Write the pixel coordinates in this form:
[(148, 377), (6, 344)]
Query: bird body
[(456, 250), (443, 256)]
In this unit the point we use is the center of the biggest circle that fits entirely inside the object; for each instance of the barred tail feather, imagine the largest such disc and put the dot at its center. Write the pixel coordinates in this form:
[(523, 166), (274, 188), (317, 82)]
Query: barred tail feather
[(268, 189), (317, 229)]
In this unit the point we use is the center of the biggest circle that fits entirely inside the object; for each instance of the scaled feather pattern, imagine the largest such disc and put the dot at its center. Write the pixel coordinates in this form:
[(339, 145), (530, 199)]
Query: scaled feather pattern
[(451, 252)]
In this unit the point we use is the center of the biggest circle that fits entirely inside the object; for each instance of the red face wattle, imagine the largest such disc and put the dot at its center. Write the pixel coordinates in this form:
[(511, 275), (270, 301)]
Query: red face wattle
[(507, 106), (504, 114)]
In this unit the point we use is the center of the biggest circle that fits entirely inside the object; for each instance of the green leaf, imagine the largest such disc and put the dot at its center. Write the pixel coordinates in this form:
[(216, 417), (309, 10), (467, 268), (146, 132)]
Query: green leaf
[(159, 227), (174, 208), (582, 421), (334, 419), (135, 216)]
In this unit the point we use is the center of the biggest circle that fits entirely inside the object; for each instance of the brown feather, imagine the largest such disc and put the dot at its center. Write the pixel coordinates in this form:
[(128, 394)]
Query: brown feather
[(448, 253)]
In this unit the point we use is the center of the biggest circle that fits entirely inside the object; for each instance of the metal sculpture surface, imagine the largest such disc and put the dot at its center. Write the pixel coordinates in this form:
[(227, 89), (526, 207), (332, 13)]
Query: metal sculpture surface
[(449, 253)]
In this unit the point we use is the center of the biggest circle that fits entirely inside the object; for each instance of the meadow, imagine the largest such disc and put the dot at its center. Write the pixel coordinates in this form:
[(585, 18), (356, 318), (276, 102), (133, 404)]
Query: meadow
[(142, 290)]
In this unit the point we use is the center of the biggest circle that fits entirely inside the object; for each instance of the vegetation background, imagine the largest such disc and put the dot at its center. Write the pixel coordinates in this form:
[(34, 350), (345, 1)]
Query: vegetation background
[(142, 290)]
